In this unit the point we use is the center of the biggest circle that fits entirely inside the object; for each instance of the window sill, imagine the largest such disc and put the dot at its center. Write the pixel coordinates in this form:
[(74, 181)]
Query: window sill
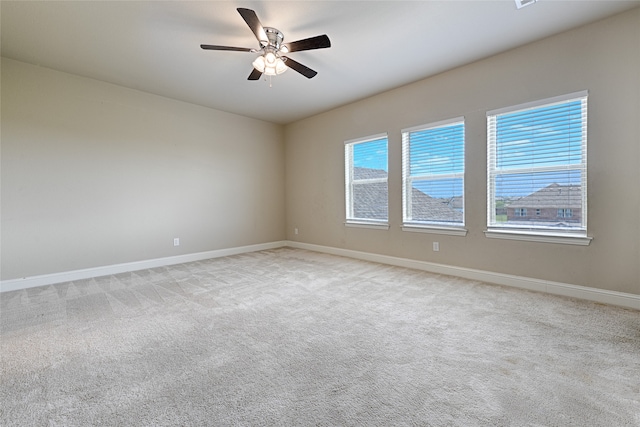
[(363, 224), (451, 231), (561, 238)]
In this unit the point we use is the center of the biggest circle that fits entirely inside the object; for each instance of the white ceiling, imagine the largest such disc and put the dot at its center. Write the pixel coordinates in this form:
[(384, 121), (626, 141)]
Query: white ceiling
[(154, 46)]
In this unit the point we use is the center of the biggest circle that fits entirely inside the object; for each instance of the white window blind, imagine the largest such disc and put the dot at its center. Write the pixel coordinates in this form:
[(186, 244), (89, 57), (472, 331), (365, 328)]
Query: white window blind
[(537, 166), (433, 174), (366, 171)]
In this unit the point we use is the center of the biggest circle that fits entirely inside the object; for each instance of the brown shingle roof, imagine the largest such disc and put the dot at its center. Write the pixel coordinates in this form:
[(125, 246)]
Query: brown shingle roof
[(427, 208), (371, 200)]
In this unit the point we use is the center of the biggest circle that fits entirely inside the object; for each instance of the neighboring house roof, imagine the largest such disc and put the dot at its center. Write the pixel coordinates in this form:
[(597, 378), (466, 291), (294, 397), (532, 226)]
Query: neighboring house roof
[(368, 173), (426, 207), (552, 196), (371, 200)]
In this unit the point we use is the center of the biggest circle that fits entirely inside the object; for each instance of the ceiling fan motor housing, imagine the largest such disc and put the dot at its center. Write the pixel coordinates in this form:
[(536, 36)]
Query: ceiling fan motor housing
[(275, 37)]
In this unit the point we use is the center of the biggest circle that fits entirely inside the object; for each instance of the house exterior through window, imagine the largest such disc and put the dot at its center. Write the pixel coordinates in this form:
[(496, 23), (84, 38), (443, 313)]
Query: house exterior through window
[(433, 175), (366, 176), (536, 163)]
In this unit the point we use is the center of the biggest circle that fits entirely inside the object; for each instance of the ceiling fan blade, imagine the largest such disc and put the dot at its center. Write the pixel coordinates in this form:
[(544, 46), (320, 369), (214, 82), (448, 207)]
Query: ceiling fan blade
[(255, 75), (317, 42), (235, 49), (253, 22), (302, 69)]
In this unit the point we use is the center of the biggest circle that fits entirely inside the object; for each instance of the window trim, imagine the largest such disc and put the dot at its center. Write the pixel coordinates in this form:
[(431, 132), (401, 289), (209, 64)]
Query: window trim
[(375, 225), (432, 226), (540, 234), (563, 238), (348, 164), (539, 103), (419, 228)]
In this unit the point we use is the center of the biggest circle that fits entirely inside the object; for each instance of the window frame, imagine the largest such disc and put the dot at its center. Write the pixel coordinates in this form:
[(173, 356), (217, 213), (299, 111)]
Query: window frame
[(350, 219), (573, 235), (430, 226)]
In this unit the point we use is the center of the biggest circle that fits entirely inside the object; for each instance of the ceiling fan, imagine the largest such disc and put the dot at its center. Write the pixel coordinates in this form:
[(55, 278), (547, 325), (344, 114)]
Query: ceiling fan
[(271, 60)]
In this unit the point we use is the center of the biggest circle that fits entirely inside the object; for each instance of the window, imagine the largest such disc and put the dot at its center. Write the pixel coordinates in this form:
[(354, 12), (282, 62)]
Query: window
[(366, 173), (565, 213), (536, 160), (433, 174)]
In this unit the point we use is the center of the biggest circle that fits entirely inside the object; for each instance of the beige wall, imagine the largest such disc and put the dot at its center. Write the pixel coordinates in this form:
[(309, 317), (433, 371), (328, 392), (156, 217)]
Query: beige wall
[(95, 174), (603, 58)]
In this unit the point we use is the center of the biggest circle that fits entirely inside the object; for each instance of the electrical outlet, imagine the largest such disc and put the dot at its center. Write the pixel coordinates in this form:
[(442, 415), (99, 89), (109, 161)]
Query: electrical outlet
[(436, 246), (176, 241), (295, 230)]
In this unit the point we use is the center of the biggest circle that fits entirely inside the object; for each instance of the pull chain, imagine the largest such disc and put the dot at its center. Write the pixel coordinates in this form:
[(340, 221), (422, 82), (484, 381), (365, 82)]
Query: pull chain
[(265, 79)]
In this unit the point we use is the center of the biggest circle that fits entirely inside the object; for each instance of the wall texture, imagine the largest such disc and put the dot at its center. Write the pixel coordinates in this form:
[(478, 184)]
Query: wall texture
[(95, 174), (603, 58)]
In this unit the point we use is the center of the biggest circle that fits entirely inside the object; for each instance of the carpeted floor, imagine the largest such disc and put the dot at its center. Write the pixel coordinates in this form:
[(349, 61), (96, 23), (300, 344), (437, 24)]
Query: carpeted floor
[(290, 337)]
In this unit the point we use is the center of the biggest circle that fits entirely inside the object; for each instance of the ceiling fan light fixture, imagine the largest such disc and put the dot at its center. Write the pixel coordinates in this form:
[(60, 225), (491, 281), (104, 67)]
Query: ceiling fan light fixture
[(270, 59), (269, 64), (259, 64), (280, 66)]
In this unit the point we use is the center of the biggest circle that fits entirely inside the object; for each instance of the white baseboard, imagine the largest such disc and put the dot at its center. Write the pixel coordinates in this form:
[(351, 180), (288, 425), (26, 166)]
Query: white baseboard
[(575, 291), (557, 288), (67, 276)]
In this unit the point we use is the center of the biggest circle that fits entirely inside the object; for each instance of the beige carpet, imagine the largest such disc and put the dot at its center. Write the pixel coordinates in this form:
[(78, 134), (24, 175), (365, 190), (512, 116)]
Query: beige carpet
[(290, 337)]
